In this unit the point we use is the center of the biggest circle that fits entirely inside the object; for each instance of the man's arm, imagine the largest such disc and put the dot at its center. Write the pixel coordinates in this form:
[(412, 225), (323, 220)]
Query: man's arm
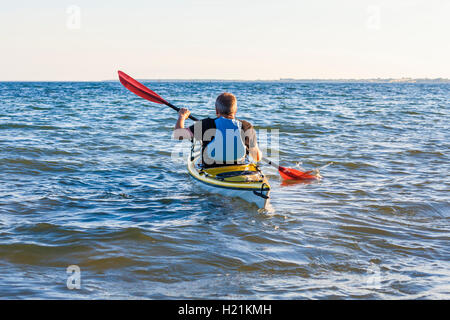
[(180, 132), (251, 141), (256, 154)]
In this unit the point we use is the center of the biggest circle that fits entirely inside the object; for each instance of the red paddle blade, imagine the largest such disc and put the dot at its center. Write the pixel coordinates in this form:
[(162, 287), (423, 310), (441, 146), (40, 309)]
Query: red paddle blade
[(293, 174), (139, 89)]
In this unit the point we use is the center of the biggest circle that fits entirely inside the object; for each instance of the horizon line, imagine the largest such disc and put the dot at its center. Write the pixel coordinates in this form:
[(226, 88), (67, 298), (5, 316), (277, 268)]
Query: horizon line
[(379, 79)]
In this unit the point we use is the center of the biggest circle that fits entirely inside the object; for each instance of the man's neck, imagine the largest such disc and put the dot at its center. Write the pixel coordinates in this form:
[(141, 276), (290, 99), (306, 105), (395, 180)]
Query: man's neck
[(227, 116)]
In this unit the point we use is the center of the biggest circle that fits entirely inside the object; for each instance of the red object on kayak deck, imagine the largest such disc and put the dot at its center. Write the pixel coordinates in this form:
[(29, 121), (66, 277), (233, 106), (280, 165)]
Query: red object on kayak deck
[(293, 174), (139, 89)]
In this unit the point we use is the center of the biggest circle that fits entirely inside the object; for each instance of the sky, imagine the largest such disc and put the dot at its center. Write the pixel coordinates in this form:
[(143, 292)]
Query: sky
[(78, 40)]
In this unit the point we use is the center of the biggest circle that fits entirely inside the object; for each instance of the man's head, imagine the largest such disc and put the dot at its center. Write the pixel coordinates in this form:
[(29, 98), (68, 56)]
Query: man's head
[(226, 105)]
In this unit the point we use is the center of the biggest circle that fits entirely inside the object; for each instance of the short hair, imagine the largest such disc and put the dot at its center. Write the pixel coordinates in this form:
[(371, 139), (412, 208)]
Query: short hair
[(226, 103)]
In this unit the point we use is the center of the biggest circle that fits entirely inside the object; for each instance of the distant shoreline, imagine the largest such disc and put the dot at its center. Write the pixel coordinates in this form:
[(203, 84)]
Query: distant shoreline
[(281, 80), (402, 80)]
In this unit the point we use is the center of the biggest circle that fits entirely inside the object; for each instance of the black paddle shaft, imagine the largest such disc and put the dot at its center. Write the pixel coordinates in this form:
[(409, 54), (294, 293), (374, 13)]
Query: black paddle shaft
[(178, 109)]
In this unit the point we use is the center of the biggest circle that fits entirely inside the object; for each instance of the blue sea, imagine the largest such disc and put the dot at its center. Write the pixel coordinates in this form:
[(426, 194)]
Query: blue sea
[(94, 205)]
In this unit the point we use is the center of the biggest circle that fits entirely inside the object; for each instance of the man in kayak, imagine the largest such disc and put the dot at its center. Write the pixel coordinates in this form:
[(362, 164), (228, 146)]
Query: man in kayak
[(225, 139)]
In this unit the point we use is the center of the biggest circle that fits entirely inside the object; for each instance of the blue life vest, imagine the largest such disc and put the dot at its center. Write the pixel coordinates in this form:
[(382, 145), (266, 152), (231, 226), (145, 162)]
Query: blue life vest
[(227, 145)]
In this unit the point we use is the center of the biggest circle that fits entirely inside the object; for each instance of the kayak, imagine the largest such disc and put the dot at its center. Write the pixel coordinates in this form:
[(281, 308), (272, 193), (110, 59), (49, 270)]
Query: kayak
[(245, 181)]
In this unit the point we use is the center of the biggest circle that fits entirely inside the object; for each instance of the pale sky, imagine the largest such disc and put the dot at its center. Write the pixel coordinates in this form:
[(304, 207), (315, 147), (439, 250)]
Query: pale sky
[(224, 39)]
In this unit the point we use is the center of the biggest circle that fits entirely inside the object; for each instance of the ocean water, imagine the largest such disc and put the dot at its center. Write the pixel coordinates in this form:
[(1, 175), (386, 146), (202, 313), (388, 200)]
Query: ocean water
[(88, 178)]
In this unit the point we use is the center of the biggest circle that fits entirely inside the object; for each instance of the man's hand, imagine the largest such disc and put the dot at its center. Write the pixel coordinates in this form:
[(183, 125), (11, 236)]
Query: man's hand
[(184, 113), (180, 131), (256, 154)]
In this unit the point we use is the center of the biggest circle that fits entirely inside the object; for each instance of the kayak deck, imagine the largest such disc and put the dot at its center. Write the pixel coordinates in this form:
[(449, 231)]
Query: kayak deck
[(245, 181)]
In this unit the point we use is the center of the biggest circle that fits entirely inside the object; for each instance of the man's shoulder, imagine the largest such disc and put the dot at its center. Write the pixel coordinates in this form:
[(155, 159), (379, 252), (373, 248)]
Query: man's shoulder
[(203, 124), (208, 121), (245, 124)]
